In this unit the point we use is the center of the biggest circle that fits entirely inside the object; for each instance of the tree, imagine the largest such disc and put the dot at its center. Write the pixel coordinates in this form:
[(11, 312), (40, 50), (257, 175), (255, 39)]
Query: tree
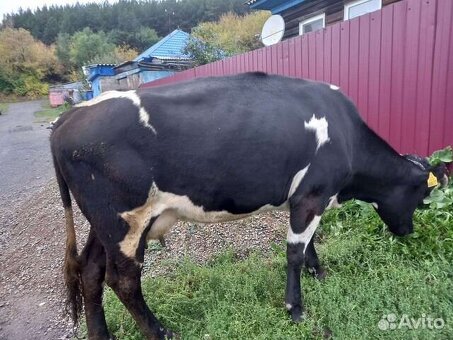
[(139, 39), (87, 45), (117, 56), (86, 33), (63, 47), (143, 38), (25, 63), (124, 53), (126, 16), (232, 34), (202, 52)]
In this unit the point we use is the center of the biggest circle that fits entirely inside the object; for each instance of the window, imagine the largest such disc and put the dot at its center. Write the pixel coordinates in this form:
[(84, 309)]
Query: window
[(361, 7), (312, 24)]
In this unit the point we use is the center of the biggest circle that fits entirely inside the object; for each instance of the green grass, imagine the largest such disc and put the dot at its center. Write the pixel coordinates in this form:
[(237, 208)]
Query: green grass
[(3, 108), (48, 113), (370, 273)]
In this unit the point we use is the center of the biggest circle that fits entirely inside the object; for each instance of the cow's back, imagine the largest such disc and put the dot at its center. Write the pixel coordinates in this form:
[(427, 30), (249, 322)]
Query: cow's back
[(231, 143)]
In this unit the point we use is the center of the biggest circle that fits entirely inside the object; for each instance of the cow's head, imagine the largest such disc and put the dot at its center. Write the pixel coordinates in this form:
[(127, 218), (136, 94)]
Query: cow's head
[(397, 208), (439, 171)]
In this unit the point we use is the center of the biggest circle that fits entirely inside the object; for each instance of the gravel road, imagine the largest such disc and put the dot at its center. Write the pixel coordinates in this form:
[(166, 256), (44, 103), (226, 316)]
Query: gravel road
[(28, 267), (24, 153), (32, 233)]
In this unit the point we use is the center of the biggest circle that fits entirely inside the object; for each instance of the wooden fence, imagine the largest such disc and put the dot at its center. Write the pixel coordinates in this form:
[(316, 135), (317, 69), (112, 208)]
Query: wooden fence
[(396, 64)]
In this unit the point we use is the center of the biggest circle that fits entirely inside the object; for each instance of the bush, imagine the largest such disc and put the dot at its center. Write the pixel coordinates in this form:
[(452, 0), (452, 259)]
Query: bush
[(25, 63), (30, 85)]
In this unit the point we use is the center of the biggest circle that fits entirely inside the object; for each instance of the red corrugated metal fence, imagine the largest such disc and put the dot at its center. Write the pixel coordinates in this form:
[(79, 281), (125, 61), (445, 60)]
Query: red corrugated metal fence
[(396, 64)]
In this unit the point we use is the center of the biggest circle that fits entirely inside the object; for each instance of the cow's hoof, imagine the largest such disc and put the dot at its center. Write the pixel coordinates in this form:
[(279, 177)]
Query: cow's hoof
[(297, 314), (321, 274), (168, 334), (318, 273)]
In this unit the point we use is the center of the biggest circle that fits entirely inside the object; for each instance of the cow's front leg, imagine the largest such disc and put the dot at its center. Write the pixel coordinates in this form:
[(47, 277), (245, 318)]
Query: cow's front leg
[(305, 214), (312, 262), (293, 300)]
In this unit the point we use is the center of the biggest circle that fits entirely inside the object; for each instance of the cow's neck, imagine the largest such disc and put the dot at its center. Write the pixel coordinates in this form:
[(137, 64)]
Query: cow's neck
[(376, 169)]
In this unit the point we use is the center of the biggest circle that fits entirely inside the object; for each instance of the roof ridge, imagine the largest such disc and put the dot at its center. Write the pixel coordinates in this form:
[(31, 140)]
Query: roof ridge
[(159, 44)]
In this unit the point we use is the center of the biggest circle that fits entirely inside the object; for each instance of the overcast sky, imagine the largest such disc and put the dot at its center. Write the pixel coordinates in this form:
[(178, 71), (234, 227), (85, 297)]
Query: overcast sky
[(8, 6)]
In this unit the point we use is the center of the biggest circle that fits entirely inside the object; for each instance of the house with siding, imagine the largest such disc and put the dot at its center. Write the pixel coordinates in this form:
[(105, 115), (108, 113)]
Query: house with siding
[(163, 59), (304, 16)]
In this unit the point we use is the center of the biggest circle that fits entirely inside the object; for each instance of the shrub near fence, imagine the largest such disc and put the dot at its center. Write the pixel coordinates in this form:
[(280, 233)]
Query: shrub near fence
[(396, 64)]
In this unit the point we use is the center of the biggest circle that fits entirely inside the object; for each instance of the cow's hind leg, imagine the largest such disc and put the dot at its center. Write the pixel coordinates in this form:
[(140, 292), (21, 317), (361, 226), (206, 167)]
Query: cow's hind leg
[(312, 262), (123, 240), (124, 277), (305, 214), (92, 264)]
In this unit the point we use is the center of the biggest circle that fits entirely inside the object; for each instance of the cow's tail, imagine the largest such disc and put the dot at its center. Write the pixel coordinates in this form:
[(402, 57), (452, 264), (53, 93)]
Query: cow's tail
[(71, 269)]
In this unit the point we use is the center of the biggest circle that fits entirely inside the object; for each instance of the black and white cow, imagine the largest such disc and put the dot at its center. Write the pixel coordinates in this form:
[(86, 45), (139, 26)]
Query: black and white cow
[(213, 150)]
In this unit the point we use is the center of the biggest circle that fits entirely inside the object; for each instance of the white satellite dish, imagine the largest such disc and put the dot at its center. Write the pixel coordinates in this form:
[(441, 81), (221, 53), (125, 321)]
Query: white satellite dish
[(273, 30)]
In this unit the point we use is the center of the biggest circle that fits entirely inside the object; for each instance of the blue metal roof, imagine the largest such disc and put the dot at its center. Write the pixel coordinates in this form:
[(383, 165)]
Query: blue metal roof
[(275, 6), (171, 46), (97, 70)]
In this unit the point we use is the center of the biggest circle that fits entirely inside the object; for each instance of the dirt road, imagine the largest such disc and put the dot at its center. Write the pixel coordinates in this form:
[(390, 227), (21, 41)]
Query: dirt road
[(24, 150), (30, 306)]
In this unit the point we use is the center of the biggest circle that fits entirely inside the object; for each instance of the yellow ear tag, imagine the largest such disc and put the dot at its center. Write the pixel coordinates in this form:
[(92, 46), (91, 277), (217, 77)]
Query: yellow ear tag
[(432, 180)]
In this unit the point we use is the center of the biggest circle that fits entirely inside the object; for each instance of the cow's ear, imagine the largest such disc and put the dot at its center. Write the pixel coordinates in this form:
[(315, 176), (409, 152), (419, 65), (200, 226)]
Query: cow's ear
[(432, 180), (441, 173)]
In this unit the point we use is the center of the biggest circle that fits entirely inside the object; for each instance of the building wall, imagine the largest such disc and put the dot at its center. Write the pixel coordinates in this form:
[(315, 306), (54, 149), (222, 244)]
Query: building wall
[(130, 81), (396, 65), (96, 86), (334, 10), (109, 83), (56, 98), (147, 76)]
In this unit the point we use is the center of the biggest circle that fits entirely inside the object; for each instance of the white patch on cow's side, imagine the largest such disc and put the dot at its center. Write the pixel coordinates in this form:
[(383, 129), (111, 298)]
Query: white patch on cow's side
[(288, 306), (333, 202), (92, 177), (375, 205), (171, 208), (334, 87), (298, 177), (306, 235), (131, 95), (320, 127)]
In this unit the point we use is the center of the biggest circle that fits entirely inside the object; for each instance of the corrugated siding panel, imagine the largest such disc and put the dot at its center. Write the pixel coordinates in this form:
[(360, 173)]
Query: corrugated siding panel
[(353, 79), (328, 54), (385, 81), (335, 70), (395, 64), (397, 74), (344, 56), (363, 67), (424, 81), (447, 92), (374, 67), (410, 75)]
